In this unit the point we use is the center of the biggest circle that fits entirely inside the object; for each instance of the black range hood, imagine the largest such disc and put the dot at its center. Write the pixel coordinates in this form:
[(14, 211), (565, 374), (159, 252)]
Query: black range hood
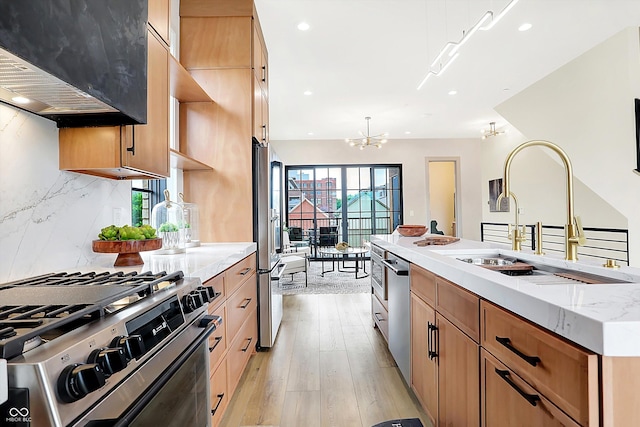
[(77, 62)]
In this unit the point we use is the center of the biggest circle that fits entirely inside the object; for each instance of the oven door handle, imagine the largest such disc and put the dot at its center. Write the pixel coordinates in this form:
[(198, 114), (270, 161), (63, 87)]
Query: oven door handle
[(125, 419)]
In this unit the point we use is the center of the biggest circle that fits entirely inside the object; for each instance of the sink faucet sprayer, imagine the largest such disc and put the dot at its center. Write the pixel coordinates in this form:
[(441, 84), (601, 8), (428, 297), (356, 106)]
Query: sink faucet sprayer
[(517, 235), (573, 233)]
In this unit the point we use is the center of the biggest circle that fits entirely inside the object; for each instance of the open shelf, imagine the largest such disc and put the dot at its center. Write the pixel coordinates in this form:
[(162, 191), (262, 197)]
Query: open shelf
[(183, 86), (186, 163)]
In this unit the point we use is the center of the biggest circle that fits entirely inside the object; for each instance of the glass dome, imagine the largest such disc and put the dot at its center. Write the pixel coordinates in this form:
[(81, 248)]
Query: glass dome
[(191, 223), (168, 219)]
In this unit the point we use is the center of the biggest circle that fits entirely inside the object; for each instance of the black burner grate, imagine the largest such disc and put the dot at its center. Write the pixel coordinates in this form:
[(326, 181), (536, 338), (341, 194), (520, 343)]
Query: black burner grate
[(52, 304)]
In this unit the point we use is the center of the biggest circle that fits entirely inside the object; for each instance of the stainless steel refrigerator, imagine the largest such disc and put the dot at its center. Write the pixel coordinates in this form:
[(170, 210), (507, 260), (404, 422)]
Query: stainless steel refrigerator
[(267, 226)]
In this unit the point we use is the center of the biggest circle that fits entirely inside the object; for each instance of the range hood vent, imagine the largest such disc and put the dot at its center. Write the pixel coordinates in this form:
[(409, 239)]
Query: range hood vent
[(77, 62)]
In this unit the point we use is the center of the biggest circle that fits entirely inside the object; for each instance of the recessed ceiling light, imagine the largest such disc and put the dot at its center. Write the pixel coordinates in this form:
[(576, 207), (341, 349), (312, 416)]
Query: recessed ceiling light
[(20, 100), (524, 27), (407, 132), (308, 92), (303, 26), (453, 92), (310, 133)]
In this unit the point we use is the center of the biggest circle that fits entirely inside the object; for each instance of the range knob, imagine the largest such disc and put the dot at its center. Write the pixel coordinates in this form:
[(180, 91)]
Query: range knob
[(132, 345), (111, 360), (192, 301), (208, 293), (78, 380)]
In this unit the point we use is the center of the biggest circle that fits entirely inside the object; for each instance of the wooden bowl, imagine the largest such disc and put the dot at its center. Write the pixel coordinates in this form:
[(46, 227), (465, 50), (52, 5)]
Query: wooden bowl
[(412, 230), (128, 250)]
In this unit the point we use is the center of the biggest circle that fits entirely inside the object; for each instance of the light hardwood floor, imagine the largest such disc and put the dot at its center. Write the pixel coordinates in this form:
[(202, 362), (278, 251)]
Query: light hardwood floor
[(329, 367)]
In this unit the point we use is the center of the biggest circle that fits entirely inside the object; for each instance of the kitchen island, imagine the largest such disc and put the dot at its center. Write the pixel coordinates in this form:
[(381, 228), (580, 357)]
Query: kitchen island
[(588, 331)]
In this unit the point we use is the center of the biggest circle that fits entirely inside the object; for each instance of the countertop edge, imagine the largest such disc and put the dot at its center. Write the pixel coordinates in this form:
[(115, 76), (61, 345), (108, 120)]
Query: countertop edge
[(596, 331)]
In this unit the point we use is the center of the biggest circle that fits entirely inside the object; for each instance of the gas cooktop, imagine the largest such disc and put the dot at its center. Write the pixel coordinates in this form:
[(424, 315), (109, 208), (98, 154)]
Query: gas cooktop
[(39, 309)]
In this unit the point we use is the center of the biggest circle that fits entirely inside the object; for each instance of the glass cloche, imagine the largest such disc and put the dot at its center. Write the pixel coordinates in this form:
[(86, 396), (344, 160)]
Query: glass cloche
[(191, 223), (168, 219)]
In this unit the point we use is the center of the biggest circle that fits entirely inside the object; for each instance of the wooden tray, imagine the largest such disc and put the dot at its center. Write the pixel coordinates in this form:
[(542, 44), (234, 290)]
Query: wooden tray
[(436, 240), (128, 250)]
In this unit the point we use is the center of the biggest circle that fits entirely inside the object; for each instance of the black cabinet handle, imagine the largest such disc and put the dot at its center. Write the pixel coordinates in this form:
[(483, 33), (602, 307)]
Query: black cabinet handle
[(131, 149), (245, 271), (531, 360), (432, 352), (379, 317), (531, 398), (220, 397), (264, 73), (248, 300), (218, 340), (248, 344)]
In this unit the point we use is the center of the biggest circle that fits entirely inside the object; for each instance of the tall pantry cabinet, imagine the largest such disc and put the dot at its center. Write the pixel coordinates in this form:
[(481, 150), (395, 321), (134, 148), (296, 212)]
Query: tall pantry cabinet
[(223, 48)]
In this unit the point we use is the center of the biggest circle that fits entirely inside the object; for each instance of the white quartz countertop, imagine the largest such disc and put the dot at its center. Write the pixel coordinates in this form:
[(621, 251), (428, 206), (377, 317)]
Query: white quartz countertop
[(604, 318), (204, 261)]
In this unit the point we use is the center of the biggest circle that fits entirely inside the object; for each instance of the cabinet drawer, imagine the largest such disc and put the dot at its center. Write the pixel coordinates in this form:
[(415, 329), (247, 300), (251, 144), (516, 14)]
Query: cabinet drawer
[(238, 273), (239, 305), (460, 307), (423, 284), (219, 393), (508, 400), (218, 339), (241, 348), (216, 283), (380, 316), (562, 372)]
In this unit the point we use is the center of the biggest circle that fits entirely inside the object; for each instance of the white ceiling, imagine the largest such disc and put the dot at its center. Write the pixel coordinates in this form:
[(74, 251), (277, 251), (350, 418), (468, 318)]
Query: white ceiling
[(366, 58)]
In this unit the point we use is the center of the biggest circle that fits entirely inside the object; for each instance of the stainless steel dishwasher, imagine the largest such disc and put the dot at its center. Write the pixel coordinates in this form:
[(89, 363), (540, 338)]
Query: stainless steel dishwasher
[(399, 316)]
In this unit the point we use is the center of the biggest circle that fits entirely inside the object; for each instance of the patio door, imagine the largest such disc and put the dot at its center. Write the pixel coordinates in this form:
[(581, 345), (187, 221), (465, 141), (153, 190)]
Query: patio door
[(347, 203)]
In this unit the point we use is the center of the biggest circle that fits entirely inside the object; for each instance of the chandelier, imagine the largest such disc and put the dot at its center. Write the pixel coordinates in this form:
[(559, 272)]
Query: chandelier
[(486, 133), (367, 140)]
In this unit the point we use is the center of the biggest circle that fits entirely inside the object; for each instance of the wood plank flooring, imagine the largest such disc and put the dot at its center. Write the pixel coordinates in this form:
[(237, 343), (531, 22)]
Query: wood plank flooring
[(329, 367)]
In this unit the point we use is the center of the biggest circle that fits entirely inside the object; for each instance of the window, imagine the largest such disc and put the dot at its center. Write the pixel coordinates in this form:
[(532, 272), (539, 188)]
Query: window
[(357, 200), (145, 194)]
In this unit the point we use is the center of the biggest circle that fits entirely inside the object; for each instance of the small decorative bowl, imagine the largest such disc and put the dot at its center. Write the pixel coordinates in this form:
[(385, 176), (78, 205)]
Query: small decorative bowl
[(412, 230), (342, 246)]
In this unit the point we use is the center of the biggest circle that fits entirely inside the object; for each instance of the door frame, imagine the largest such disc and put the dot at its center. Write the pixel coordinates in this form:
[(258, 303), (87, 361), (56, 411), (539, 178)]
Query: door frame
[(457, 208)]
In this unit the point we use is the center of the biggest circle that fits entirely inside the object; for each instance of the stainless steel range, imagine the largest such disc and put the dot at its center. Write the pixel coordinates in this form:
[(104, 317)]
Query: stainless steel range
[(106, 349)]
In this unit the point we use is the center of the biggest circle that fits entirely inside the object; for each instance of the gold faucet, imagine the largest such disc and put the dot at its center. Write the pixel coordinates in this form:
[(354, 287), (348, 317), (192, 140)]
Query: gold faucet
[(517, 235), (573, 233)]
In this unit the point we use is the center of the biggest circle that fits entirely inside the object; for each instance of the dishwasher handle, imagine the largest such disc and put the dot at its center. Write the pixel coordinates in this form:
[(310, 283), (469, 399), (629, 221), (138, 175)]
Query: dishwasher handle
[(394, 268)]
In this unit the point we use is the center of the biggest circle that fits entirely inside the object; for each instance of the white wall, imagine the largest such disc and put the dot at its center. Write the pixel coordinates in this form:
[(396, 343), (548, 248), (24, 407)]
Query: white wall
[(586, 107), (48, 218), (412, 154)]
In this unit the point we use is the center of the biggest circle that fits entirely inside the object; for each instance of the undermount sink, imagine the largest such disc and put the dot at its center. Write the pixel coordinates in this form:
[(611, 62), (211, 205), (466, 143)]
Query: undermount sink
[(536, 273)]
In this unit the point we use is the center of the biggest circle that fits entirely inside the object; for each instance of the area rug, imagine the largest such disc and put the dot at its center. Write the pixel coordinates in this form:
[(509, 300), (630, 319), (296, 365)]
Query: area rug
[(335, 282)]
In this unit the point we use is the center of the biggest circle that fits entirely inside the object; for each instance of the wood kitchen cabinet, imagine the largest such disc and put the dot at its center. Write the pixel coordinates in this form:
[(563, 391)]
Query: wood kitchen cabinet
[(562, 373), (444, 347), (424, 367), (226, 55), (127, 152), (158, 18), (508, 400), (231, 345)]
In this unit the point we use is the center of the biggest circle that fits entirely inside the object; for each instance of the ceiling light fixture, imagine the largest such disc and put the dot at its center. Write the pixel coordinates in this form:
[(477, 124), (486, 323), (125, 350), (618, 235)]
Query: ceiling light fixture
[(307, 92), (303, 26), (486, 133), (367, 140), (438, 67)]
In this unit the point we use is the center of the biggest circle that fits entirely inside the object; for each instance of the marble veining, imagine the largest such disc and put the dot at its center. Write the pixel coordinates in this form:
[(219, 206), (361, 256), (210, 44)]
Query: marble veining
[(48, 217), (604, 318)]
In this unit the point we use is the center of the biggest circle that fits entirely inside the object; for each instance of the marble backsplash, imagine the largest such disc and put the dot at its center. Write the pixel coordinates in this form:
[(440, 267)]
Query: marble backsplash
[(48, 217)]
